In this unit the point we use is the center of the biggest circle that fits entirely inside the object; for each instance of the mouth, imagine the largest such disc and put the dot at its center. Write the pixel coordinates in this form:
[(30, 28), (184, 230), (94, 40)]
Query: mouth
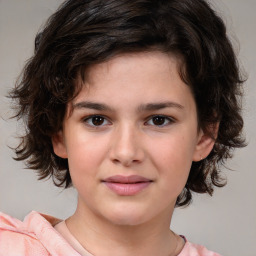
[(127, 185)]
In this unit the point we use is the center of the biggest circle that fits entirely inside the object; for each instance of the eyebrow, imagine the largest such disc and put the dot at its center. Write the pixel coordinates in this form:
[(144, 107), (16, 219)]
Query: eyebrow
[(91, 105), (141, 108), (158, 106)]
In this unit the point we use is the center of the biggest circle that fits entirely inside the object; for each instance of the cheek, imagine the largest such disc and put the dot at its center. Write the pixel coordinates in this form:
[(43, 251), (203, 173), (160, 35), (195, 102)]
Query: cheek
[(84, 155), (83, 158), (176, 149), (173, 157)]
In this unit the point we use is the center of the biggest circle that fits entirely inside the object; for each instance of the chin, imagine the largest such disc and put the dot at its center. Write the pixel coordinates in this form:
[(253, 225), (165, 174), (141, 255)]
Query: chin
[(128, 217)]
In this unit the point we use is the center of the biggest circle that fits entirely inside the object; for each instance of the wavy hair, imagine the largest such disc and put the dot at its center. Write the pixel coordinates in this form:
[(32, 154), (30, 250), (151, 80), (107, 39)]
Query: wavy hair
[(82, 33)]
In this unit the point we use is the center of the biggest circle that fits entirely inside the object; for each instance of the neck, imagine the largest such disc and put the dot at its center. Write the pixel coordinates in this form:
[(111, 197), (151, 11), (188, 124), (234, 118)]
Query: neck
[(151, 238)]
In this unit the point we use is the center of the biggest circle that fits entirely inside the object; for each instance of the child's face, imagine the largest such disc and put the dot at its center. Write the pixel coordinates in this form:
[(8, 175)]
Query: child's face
[(138, 120)]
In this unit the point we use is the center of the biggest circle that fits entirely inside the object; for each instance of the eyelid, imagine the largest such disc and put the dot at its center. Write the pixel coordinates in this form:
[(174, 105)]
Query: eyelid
[(170, 119), (86, 118)]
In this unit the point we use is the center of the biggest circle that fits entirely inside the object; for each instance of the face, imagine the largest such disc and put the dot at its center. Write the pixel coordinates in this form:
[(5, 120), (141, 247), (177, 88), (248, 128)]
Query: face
[(130, 137)]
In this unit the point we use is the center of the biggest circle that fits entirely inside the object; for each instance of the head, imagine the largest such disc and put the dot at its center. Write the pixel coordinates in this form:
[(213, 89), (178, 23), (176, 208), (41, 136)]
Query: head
[(82, 34)]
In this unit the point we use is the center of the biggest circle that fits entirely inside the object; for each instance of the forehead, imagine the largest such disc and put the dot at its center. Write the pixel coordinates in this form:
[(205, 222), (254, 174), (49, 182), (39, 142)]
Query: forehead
[(135, 79), (152, 61)]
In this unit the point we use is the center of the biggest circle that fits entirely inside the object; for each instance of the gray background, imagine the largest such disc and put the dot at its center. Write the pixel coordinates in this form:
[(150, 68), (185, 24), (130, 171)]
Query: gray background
[(225, 223)]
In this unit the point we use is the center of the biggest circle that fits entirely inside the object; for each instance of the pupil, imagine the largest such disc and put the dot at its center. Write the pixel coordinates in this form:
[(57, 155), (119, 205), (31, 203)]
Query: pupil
[(158, 120), (97, 120)]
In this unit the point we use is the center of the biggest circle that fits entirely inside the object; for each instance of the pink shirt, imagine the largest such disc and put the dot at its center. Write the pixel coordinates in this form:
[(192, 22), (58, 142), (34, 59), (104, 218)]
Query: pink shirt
[(37, 236)]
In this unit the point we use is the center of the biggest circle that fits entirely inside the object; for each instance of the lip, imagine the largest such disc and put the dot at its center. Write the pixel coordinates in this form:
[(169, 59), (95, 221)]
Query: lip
[(127, 185)]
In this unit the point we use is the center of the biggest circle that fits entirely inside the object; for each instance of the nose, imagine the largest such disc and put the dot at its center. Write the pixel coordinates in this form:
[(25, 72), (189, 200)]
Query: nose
[(126, 146)]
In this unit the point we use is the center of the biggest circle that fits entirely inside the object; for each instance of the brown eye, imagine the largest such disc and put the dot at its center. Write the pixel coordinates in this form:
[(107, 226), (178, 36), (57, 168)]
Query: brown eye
[(95, 121), (159, 120)]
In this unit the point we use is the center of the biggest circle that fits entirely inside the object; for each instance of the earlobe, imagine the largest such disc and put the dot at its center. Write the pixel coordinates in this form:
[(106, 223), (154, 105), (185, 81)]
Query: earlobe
[(205, 144), (58, 144)]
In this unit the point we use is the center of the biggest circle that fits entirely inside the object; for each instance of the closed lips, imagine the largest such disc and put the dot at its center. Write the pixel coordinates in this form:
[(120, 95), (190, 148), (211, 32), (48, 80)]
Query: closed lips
[(127, 185), (127, 179)]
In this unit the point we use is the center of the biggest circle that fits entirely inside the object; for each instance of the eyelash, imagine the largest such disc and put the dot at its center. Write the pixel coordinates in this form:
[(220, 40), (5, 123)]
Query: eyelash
[(167, 119), (86, 120)]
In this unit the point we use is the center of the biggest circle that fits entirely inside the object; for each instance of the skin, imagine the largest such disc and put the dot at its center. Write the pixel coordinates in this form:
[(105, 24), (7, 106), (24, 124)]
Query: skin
[(128, 141)]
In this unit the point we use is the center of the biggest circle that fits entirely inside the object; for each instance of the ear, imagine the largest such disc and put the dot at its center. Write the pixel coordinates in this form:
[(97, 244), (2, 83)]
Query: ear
[(205, 142), (59, 146)]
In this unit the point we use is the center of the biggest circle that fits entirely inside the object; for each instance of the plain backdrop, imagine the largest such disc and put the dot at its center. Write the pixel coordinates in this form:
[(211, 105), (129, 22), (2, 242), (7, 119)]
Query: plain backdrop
[(225, 223)]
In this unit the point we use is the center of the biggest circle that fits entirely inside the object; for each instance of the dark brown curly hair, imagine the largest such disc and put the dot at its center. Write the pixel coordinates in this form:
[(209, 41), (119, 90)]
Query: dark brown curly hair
[(85, 32)]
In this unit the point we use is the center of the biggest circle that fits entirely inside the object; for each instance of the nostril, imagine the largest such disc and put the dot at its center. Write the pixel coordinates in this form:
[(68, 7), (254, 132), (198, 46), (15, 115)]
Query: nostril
[(126, 155), (116, 161)]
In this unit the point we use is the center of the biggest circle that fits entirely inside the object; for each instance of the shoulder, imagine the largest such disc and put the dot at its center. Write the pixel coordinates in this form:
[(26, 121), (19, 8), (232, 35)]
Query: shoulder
[(15, 239), (196, 250), (33, 236)]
